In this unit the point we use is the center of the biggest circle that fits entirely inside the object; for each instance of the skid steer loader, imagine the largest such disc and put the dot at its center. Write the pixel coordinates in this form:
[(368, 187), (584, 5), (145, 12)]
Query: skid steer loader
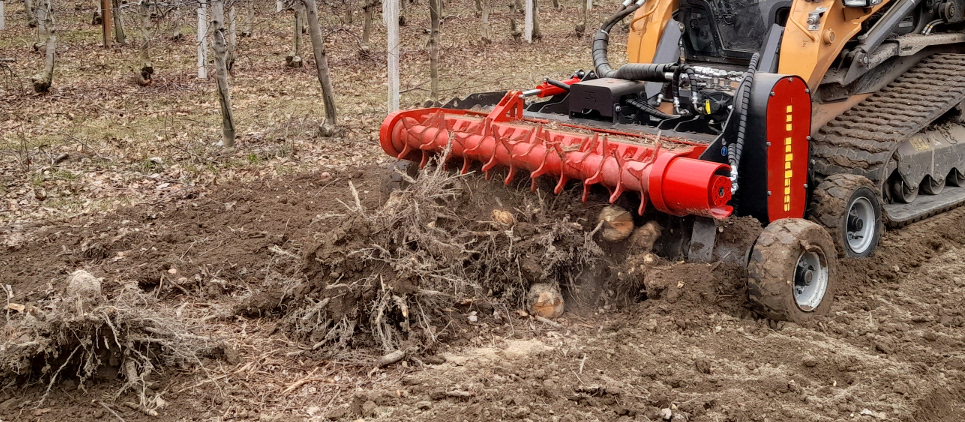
[(826, 120)]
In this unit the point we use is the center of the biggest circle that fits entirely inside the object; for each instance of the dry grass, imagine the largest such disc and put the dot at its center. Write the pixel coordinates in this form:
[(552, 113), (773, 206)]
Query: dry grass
[(122, 141), (87, 336)]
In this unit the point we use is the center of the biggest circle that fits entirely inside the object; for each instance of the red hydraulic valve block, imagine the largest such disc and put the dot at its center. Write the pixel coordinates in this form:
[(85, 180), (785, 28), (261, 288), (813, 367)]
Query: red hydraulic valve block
[(666, 171)]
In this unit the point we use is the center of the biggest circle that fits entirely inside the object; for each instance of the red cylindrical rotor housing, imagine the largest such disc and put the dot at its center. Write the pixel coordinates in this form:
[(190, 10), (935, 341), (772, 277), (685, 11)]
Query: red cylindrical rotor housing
[(666, 171)]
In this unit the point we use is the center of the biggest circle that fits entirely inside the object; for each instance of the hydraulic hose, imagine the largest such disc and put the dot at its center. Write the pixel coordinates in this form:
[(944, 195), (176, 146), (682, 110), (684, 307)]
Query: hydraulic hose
[(648, 109), (736, 149), (633, 71)]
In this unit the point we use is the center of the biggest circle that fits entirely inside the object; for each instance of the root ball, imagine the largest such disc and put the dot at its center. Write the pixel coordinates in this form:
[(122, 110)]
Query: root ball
[(545, 300), (617, 223)]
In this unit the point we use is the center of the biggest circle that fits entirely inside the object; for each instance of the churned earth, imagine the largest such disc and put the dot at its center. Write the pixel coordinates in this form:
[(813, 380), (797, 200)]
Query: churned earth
[(149, 275)]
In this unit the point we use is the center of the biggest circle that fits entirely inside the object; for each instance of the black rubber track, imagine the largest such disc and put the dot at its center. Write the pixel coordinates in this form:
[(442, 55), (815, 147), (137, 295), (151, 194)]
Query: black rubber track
[(863, 140)]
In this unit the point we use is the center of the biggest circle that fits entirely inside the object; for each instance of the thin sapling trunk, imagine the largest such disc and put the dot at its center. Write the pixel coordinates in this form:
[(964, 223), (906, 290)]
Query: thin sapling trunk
[(295, 59), (249, 17), (232, 39), (321, 64), (487, 29), (31, 11), (434, 49), (144, 77), (537, 34), (581, 26), (221, 71), (119, 34), (369, 15), (43, 80), (513, 26)]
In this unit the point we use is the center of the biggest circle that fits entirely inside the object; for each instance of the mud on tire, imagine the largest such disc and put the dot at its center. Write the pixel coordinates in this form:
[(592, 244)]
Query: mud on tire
[(849, 207), (776, 285)]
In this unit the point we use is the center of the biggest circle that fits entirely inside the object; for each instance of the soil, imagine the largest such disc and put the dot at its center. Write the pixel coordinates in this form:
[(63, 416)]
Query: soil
[(890, 350), (246, 249)]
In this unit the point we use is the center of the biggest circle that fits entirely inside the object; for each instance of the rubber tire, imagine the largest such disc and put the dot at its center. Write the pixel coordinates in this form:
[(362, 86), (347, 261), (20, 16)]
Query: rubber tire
[(773, 261), (829, 207), (394, 179)]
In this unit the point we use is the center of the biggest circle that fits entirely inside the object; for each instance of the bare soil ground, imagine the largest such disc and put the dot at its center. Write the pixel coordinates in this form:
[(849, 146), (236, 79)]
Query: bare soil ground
[(265, 283)]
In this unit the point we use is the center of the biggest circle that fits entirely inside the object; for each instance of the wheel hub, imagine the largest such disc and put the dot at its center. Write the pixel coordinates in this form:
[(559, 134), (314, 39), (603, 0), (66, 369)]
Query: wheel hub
[(810, 280), (860, 226), (855, 223)]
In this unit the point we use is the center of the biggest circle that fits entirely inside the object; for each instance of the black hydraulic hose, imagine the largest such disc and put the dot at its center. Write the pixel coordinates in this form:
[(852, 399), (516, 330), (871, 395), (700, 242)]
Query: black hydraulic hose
[(736, 149), (633, 71), (648, 109), (601, 41)]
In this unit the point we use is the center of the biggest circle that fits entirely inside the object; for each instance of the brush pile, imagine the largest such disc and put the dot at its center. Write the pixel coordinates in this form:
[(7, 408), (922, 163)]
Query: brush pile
[(84, 335), (446, 243)]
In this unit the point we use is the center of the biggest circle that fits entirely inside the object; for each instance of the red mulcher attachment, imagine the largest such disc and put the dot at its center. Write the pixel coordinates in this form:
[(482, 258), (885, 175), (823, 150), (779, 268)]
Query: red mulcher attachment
[(667, 171)]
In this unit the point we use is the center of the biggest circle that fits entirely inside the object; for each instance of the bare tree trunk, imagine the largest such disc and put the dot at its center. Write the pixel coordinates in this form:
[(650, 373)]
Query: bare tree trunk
[(221, 71), (581, 26), (513, 26), (349, 16), (3, 22), (557, 5), (97, 19), (589, 4), (479, 7), (45, 17), (119, 34), (144, 78), (537, 34), (369, 10), (232, 38), (202, 40), (321, 63), (434, 49), (295, 59), (402, 9), (249, 17), (487, 30), (31, 11)]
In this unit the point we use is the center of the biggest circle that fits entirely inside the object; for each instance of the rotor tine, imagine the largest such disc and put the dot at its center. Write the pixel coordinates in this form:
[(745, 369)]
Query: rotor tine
[(425, 159), (643, 204), (618, 190)]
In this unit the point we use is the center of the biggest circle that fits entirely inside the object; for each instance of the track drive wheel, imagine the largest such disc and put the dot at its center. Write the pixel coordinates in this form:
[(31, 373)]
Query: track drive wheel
[(398, 176), (791, 272), (847, 205)]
